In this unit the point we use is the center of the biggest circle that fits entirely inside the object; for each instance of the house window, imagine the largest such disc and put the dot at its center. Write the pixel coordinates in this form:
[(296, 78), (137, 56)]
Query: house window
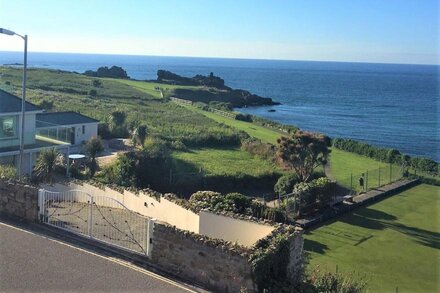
[(84, 129), (8, 127)]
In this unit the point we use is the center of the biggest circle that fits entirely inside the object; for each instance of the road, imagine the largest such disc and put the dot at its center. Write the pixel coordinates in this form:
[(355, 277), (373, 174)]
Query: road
[(30, 261)]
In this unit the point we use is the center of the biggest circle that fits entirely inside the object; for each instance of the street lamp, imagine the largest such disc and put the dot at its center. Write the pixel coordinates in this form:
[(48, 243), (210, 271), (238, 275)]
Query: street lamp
[(23, 99)]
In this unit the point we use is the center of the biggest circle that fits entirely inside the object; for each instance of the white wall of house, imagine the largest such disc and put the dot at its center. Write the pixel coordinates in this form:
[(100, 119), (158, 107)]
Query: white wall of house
[(90, 130)]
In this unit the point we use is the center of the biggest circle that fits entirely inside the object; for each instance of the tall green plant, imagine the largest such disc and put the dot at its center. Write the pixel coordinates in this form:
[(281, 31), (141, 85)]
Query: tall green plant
[(47, 161), (117, 118), (139, 135), (93, 147)]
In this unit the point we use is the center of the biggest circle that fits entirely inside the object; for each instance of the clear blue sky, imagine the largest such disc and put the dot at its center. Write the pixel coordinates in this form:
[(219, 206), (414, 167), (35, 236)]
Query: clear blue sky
[(396, 31)]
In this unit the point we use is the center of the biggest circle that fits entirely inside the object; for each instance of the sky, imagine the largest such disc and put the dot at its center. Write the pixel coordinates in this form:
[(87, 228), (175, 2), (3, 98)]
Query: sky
[(388, 31)]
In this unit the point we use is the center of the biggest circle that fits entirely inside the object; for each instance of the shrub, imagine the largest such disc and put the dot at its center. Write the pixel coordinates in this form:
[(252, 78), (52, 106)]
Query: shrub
[(147, 168), (286, 183), (256, 147), (387, 155), (46, 104), (335, 283), (96, 83), (178, 145), (244, 117), (317, 192), (240, 201), (93, 93), (104, 130), (8, 172)]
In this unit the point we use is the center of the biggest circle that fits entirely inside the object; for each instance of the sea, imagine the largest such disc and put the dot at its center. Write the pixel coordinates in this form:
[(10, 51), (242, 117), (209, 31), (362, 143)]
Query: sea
[(388, 105)]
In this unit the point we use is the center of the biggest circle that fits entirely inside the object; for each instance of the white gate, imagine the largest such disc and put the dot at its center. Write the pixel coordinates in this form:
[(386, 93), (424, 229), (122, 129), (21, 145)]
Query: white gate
[(98, 217)]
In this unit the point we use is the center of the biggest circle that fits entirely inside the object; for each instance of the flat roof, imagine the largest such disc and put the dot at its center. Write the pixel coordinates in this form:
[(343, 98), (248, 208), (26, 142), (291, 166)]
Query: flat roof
[(12, 104), (62, 118)]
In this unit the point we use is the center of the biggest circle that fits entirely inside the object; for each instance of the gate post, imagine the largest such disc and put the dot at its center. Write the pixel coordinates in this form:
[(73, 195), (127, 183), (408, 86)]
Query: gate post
[(149, 236)]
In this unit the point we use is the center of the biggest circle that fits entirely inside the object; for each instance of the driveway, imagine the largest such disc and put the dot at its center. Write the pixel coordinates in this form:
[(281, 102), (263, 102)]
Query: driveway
[(30, 261)]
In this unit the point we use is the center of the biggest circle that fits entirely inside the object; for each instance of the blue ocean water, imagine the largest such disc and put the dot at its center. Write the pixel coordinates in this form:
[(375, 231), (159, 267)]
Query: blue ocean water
[(391, 105)]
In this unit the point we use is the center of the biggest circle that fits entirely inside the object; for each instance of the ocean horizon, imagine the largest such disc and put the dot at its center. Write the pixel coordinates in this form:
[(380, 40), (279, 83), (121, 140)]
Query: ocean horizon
[(388, 105)]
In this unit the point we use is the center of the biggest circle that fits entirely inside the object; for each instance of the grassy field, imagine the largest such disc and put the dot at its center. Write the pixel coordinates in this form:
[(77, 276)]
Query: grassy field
[(228, 161), (150, 87), (263, 133), (70, 92), (343, 163), (394, 243)]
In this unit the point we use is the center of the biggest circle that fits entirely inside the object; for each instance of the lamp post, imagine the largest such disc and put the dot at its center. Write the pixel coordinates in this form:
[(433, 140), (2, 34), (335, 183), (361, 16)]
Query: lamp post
[(23, 99)]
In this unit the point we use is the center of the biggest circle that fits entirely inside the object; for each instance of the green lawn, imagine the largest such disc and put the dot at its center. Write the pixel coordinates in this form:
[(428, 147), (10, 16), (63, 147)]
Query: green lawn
[(229, 161), (254, 130), (347, 167), (150, 87), (394, 243)]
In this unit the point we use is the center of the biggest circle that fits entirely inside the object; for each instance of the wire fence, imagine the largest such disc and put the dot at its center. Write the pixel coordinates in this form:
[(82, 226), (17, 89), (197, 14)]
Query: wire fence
[(370, 179)]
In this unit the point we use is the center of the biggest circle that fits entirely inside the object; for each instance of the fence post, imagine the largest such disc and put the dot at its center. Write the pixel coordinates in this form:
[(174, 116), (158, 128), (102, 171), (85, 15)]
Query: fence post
[(366, 181), (390, 172), (351, 181), (379, 176)]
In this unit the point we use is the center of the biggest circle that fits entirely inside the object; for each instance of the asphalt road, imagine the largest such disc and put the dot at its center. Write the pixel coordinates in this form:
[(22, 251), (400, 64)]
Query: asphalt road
[(33, 262)]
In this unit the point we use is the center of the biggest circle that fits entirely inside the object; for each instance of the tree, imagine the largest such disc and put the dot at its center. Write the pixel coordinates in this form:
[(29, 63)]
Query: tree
[(46, 164), (139, 135), (303, 152), (117, 118), (93, 147)]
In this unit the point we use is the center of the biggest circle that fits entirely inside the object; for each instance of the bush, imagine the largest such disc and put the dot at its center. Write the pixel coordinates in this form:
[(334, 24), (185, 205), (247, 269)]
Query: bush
[(240, 201), (147, 168), (46, 104), (256, 147), (237, 203), (244, 117), (120, 132), (286, 183), (104, 130), (334, 283), (214, 139), (178, 145), (96, 83), (317, 192), (93, 93), (8, 172), (386, 155)]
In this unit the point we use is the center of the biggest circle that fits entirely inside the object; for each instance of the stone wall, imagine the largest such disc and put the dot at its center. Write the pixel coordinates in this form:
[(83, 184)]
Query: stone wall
[(214, 263), (18, 200)]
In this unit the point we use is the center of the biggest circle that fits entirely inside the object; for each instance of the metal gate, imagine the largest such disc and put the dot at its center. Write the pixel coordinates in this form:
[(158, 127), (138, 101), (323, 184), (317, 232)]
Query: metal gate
[(98, 217)]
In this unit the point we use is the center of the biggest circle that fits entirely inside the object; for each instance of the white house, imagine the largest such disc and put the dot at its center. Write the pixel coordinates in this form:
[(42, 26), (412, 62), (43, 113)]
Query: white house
[(66, 131)]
